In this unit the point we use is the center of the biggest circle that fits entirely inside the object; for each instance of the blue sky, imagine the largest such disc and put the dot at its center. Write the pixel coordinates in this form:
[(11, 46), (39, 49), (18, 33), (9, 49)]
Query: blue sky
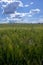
[(21, 11)]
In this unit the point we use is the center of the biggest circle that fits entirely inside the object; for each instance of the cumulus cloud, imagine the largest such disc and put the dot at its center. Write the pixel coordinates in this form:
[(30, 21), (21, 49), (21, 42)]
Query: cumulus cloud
[(34, 11), (21, 15), (8, 1), (20, 4), (17, 15), (10, 8)]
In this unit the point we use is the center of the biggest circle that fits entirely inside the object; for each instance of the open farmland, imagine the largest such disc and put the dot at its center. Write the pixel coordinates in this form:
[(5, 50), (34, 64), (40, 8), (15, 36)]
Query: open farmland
[(21, 44)]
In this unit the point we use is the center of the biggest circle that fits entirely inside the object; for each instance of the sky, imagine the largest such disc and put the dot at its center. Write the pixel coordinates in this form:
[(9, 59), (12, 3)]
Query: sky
[(21, 11)]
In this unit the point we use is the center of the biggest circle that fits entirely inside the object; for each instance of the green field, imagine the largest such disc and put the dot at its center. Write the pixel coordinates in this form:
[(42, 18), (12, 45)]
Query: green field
[(21, 44)]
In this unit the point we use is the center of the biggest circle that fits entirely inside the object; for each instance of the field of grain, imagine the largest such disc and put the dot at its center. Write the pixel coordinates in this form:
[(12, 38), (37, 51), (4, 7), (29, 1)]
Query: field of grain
[(21, 44)]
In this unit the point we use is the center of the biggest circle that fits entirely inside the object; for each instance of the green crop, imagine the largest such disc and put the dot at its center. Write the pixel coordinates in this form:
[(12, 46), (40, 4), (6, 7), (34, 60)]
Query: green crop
[(21, 44)]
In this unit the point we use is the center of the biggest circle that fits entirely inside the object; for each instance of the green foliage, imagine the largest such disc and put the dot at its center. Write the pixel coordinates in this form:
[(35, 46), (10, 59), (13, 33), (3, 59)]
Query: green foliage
[(22, 45)]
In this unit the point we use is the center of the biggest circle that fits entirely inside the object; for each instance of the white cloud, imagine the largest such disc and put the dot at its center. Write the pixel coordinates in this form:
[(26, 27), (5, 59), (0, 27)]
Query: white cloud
[(26, 5), (10, 4), (29, 15), (20, 20), (8, 1), (4, 5), (12, 15), (34, 11), (11, 8), (20, 4), (20, 14)]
